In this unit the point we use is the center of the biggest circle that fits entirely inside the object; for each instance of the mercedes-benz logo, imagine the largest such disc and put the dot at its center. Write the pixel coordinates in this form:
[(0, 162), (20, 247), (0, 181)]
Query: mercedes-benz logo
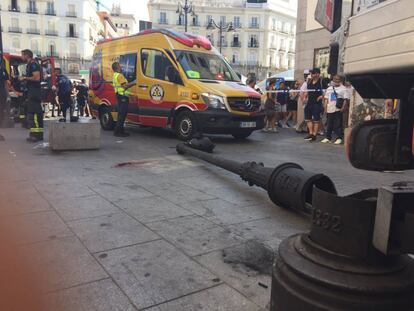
[(248, 103)]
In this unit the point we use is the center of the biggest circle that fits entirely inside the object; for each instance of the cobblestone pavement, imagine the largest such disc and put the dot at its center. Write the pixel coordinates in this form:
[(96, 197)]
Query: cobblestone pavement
[(151, 236)]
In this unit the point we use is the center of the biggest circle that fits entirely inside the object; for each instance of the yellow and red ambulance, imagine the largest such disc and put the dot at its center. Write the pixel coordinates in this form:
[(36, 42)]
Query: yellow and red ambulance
[(183, 83)]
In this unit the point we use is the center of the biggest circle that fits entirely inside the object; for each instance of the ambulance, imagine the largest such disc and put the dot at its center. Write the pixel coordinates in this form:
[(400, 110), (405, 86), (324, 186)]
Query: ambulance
[(182, 83)]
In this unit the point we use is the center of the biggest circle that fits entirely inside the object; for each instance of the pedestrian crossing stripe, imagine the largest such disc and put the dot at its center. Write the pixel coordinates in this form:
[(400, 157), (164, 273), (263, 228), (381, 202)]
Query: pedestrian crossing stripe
[(157, 93)]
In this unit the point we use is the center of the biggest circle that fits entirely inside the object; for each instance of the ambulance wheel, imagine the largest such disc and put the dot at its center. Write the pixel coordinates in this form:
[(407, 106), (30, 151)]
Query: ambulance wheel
[(242, 135), (105, 117), (185, 125)]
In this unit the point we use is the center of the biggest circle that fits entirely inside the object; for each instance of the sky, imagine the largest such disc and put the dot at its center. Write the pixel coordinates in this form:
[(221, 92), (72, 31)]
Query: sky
[(136, 7)]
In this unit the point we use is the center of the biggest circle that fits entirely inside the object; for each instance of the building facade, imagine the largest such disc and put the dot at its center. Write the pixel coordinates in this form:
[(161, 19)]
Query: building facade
[(263, 40), (66, 30), (125, 23)]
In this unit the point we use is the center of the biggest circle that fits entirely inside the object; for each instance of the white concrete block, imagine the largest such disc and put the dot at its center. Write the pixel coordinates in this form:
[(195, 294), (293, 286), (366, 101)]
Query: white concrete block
[(82, 135)]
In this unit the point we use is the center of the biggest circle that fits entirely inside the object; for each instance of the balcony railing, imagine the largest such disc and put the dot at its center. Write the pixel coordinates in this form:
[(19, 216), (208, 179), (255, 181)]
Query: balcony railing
[(282, 49), (74, 55), (180, 23), (254, 26), (15, 29), (50, 12), (50, 32), (195, 24), (237, 25), (52, 54), (72, 34), (235, 44), (163, 21), (13, 8), (253, 45), (224, 44), (71, 14), (32, 11), (33, 31)]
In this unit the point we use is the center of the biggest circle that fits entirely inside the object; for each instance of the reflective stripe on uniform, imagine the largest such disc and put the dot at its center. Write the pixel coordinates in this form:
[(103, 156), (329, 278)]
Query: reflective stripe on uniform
[(36, 130), (36, 121)]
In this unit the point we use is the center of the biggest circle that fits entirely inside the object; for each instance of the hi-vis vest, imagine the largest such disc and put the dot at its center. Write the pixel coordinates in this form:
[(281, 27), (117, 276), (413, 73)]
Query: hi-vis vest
[(118, 86)]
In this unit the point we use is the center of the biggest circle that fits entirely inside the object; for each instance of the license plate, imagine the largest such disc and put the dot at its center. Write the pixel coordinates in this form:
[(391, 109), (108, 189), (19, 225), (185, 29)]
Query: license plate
[(248, 124)]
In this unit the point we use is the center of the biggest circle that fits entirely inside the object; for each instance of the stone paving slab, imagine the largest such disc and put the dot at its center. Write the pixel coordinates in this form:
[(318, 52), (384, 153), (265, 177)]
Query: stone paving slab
[(152, 209), (219, 298), (224, 213), (38, 227), (155, 272), (244, 280), (86, 207), (115, 191), (111, 231), (64, 263), (101, 295), (22, 198), (56, 192), (178, 194), (195, 235)]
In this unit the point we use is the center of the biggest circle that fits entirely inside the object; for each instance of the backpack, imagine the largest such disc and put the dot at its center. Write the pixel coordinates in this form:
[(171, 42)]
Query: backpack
[(65, 85)]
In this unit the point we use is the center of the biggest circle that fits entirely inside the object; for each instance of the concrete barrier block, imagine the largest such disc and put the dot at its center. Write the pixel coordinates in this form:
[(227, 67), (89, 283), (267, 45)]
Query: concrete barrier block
[(82, 135)]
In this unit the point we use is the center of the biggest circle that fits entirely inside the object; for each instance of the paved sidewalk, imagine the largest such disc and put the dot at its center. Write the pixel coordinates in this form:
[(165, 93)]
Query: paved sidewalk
[(151, 236)]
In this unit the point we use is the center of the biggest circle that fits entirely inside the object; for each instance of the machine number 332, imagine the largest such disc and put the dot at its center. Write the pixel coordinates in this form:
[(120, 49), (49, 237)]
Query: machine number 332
[(326, 220)]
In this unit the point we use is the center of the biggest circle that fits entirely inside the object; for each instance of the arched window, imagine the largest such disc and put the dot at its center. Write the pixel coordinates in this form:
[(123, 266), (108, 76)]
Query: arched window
[(73, 49), (51, 49), (34, 45), (16, 43)]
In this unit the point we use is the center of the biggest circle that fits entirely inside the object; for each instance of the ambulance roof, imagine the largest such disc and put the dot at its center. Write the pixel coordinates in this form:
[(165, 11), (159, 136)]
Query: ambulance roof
[(187, 39)]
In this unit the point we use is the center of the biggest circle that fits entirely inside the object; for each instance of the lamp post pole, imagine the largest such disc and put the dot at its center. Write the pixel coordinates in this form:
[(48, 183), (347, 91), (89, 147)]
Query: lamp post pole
[(221, 27), (185, 10)]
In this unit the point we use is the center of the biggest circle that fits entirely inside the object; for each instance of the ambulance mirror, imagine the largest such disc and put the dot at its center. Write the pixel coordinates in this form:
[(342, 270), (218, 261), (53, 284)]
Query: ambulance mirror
[(372, 144)]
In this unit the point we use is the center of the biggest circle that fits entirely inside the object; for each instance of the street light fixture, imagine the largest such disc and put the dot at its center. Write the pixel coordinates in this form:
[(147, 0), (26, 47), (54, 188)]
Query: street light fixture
[(227, 27), (187, 8)]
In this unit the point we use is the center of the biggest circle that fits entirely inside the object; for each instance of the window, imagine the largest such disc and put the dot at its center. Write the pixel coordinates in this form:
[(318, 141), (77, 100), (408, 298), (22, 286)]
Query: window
[(237, 22), (205, 66), (50, 8), (32, 6), (254, 22), (274, 23), (321, 60), (50, 25), (73, 50), (163, 18), (15, 23), (33, 24), (253, 41), (235, 58), (223, 20), (72, 31), (14, 6), (128, 64), (208, 19), (155, 64)]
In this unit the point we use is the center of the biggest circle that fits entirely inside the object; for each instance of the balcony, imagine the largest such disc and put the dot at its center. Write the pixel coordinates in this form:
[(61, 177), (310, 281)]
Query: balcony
[(163, 21), (180, 23), (253, 45), (14, 8), (254, 26), (71, 34), (282, 49), (32, 11), (235, 44), (73, 56), (15, 29), (71, 14), (237, 25), (224, 44), (50, 32), (291, 51), (195, 24), (52, 54), (33, 31), (50, 12)]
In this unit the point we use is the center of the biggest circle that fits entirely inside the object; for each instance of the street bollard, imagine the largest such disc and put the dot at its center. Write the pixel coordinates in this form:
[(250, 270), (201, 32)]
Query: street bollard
[(354, 257)]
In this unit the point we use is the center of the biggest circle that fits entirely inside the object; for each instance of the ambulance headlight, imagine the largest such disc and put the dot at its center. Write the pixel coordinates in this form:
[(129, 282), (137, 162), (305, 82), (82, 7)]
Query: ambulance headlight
[(213, 101)]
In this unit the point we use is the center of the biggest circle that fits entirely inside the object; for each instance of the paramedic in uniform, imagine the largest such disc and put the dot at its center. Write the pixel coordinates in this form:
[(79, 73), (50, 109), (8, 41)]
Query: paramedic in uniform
[(121, 87), (34, 106)]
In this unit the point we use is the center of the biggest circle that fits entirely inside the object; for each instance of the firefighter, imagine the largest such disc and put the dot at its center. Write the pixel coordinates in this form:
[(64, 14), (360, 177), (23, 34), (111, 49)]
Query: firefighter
[(20, 97), (121, 87), (34, 106)]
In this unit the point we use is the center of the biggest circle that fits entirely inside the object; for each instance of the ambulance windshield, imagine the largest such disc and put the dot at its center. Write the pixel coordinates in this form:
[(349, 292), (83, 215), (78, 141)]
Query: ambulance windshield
[(205, 66)]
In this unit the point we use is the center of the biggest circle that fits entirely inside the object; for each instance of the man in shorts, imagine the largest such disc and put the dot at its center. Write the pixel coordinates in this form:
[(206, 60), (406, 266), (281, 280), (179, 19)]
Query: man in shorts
[(314, 107)]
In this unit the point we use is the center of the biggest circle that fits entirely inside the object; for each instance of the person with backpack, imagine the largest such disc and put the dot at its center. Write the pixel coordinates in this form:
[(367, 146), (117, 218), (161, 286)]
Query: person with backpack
[(64, 92), (336, 98)]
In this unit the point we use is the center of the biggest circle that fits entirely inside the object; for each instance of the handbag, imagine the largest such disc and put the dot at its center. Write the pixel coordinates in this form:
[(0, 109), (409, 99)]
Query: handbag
[(339, 101)]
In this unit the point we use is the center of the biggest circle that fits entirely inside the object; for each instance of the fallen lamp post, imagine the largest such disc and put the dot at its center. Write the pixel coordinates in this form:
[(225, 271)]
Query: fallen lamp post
[(355, 255)]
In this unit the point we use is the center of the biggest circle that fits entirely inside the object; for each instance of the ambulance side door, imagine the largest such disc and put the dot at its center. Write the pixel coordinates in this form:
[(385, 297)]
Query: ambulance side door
[(158, 85), (128, 62)]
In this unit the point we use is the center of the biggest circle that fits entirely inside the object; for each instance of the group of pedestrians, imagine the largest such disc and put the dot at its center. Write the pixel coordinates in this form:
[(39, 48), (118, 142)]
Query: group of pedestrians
[(318, 107)]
